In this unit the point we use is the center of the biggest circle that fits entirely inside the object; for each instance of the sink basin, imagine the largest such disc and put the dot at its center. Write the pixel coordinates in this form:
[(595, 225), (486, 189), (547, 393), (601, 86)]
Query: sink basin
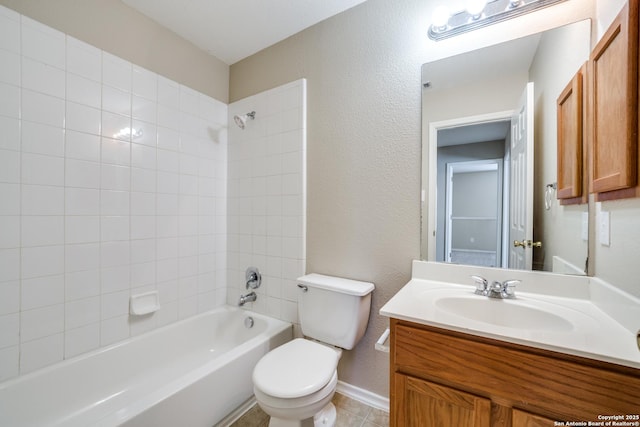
[(507, 313)]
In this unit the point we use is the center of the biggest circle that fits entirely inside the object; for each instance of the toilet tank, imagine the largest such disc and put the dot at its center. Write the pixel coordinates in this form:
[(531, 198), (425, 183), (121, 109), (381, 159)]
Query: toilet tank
[(334, 310)]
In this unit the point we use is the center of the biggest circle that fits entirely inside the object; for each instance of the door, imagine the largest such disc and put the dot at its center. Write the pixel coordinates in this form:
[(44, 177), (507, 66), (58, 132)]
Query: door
[(521, 184), (422, 403), (473, 209)]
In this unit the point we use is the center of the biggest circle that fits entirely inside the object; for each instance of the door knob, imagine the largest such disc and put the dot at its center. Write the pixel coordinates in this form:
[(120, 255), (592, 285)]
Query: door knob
[(517, 243), (534, 244)]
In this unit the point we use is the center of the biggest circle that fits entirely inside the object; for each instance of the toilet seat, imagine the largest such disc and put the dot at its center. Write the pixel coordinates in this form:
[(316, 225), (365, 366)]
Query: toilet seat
[(296, 369)]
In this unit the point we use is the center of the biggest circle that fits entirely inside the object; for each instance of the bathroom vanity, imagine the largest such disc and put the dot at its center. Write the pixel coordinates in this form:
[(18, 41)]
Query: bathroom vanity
[(463, 359)]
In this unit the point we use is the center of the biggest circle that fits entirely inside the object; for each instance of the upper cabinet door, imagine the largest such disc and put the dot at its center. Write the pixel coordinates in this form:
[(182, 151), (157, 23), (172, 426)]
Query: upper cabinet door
[(570, 140), (614, 104)]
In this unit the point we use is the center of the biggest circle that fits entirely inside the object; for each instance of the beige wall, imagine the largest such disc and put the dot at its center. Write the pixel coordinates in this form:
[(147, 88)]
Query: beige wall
[(118, 29), (559, 228), (618, 263)]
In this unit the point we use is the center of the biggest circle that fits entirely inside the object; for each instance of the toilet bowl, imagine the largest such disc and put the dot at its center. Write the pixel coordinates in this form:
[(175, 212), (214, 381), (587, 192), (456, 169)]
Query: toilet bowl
[(294, 383)]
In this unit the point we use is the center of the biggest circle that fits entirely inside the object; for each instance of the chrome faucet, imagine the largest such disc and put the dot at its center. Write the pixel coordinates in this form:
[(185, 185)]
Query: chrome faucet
[(250, 297), (500, 290)]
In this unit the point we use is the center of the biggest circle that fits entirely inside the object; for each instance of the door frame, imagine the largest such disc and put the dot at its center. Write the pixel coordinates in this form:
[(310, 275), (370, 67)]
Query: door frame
[(431, 197)]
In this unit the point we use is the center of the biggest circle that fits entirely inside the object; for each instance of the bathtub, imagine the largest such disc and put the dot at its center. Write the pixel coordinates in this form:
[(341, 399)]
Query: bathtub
[(190, 373)]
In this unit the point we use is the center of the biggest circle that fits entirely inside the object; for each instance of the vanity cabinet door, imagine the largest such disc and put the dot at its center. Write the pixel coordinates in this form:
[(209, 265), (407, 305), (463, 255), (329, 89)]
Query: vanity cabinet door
[(571, 150), (525, 419), (613, 71), (427, 404)]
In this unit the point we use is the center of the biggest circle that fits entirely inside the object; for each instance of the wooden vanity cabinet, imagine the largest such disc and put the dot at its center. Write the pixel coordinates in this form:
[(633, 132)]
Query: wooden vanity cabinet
[(445, 378), (613, 108), (571, 187)]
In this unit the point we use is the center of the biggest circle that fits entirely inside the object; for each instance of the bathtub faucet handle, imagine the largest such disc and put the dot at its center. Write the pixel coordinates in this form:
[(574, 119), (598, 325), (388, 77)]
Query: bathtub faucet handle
[(253, 278)]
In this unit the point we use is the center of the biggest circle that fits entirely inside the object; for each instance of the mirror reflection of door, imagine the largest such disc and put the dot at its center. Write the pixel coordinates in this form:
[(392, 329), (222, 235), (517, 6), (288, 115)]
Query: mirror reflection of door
[(474, 213)]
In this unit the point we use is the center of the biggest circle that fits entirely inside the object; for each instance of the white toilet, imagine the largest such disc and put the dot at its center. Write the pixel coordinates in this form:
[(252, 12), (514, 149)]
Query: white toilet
[(295, 382)]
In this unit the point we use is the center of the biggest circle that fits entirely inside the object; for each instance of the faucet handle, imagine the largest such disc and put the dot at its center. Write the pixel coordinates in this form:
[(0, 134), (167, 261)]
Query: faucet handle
[(508, 287), (482, 285)]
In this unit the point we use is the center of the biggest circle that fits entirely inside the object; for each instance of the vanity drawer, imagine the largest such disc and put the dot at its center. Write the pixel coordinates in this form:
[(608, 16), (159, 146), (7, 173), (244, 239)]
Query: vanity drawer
[(543, 382)]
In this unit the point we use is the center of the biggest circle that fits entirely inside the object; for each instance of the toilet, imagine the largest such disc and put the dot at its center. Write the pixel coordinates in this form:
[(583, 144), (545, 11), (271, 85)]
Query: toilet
[(294, 383)]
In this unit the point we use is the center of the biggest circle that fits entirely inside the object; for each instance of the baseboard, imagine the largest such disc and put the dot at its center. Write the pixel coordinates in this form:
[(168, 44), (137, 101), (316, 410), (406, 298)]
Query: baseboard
[(364, 396), (237, 413)]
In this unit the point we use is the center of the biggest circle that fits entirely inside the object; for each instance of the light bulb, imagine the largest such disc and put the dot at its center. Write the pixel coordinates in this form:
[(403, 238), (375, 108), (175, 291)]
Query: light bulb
[(440, 17), (475, 7)]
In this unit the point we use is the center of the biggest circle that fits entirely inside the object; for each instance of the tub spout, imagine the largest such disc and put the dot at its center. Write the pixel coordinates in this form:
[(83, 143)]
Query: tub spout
[(247, 298)]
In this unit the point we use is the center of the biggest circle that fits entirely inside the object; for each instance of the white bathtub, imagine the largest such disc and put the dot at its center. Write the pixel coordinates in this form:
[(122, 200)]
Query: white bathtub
[(191, 373)]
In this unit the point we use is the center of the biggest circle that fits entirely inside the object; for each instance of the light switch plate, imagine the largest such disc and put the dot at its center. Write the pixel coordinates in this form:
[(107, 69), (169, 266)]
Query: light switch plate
[(604, 229)]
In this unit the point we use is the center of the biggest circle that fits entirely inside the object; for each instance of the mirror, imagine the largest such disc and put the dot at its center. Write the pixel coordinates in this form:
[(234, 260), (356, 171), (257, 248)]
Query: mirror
[(475, 110)]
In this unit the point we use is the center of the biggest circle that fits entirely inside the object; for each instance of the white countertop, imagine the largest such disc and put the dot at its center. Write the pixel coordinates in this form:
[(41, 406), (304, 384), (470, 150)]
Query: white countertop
[(588, 332)]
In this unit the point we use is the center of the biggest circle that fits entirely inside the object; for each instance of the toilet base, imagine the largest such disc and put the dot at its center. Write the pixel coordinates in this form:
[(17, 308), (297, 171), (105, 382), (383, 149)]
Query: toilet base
[(325, 418)]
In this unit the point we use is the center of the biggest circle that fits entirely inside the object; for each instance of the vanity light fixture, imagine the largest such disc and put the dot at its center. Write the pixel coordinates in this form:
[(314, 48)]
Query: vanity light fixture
[(480, 13)]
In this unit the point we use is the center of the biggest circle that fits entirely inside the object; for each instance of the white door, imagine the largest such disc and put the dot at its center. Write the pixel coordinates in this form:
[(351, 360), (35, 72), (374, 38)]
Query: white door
[(521, 183)]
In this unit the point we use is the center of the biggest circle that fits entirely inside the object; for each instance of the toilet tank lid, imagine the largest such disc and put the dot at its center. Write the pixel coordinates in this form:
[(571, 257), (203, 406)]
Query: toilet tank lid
[(337, 284)]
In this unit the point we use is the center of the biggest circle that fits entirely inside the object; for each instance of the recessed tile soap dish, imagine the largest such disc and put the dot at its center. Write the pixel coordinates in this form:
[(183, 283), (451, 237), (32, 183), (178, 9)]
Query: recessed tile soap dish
[(145, 303)]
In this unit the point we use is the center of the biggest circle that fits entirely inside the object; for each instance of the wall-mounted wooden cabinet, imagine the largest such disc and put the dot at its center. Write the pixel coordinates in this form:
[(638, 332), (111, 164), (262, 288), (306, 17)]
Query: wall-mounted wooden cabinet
[(572, 150), (446, 378), (613, 108)]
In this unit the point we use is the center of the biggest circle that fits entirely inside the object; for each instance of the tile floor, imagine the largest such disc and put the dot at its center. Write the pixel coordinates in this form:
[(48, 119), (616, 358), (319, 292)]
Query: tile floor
[(351, 413)]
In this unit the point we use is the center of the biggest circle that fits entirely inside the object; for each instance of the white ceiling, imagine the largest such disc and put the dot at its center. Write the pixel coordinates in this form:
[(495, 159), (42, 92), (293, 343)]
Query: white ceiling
[(234, 29)]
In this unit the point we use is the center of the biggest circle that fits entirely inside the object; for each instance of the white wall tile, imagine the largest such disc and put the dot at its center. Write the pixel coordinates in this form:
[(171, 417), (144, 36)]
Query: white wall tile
[(143, 227), (143, 203), (144, 109), (116, 100), (9, 30), (116, 126), (42, 230), (10, 105), (40, 77), (168, 92), (115, 279), (82, 257), (114, 330), (9, 166), (42, 139), (41, 322), (9, 133), (9, 67), (115, 152), (43, 43), (82, 284), (41, 352), (9, 232), (82, 90), (113, 254), (98, 199), (42, 261), (82, 229), (83, 174), (83, 59), (81, 340), (41, 200), (82, 146), (145, 83), (42, 170), (116, 72), (114, 177), (143, 180), (42, 291), (82, 201), (41, 108), (9, 361)]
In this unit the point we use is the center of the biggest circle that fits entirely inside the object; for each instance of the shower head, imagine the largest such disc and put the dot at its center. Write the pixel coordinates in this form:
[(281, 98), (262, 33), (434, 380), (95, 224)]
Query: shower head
[(242, 120)]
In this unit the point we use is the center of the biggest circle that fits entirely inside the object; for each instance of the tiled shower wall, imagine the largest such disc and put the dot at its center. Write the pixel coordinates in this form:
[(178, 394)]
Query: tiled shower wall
[(112, 183), (267, 198)]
